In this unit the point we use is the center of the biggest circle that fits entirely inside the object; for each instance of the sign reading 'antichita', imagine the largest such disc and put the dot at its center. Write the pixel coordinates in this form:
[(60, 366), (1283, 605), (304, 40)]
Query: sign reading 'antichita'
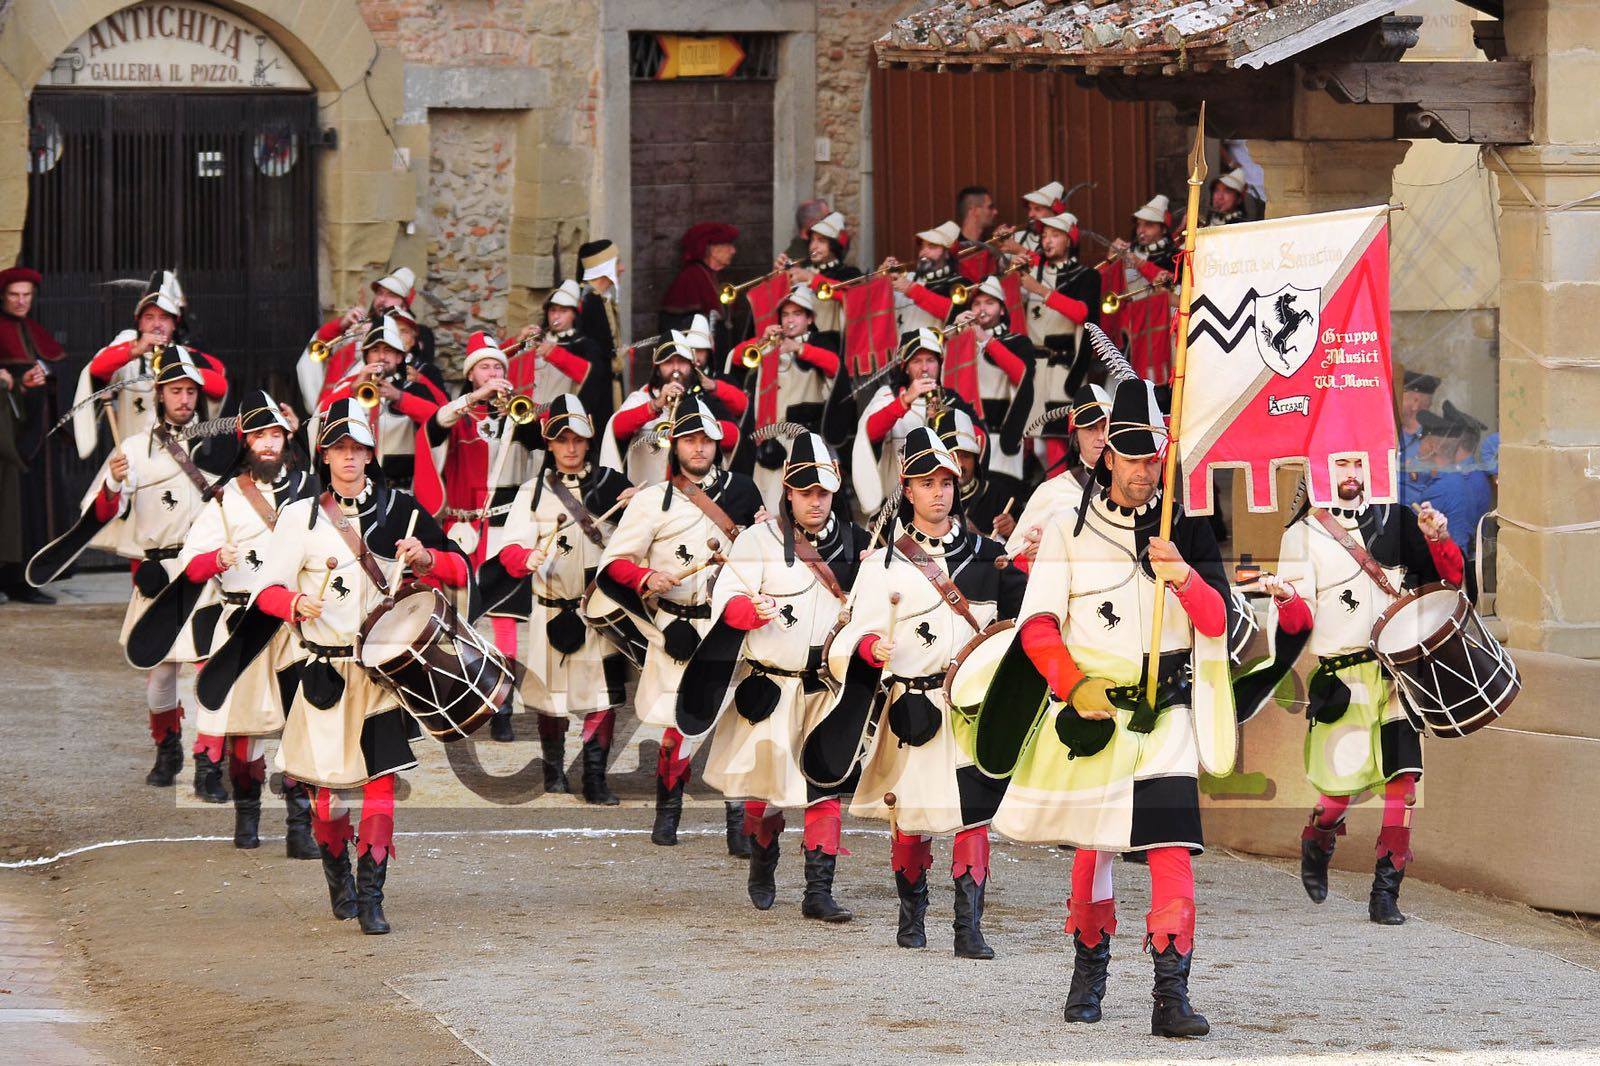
[(174, 44)]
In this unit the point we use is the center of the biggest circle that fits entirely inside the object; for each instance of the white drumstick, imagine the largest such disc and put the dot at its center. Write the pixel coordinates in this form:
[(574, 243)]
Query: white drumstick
[(400, 564)]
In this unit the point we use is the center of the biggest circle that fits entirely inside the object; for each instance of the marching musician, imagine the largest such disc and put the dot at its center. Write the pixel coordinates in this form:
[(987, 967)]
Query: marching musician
[(563, 358), (1093, 773), (975, 218), (1227, 199), (708, 248), (756, 676), (487, 456), (554, 537), (1005, 374), (344, 333), (141, 505), (1147, 266), (407, 396), (1062, 294), (922, 295), (827, 241), (344, 730), (910, 397), (1063, 490), (806, 365), (597, 320), (1361, 738), (1040, 204), (916, 602), (158, 322), (658, 566), (229, 544)]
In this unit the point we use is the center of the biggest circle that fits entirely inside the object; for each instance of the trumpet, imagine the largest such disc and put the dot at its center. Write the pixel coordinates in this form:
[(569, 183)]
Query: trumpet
[(729, 293), (751, 354), (827, 289), (1111, 302), (669, 417), (368, 394), (158, 355), (516, 406), (320, 349), (534, 338), (960, 293)]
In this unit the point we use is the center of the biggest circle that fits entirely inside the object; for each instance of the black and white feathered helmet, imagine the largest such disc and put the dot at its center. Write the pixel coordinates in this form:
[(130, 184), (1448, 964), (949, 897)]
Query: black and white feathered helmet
[(694, 416), (811, 463), (923, 452), (344, 418), (567, 412), (258, 411)]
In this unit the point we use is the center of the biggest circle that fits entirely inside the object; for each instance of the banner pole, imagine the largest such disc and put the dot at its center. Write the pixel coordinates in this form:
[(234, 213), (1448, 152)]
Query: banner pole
[(1180, 359)]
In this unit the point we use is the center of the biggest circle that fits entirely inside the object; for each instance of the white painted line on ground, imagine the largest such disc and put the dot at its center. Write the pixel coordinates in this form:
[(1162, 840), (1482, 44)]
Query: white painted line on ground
[(463, 1041)]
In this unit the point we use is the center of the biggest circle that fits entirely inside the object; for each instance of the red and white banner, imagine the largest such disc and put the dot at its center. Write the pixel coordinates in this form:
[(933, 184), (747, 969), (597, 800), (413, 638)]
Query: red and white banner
[(869, 324), (1289, 355), (764, 300)]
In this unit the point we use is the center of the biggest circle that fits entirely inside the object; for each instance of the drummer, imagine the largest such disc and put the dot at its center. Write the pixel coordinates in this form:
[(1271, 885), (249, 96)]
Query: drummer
[(554, 535), (344, 730), (756, 675), (1360, 739), (916, 603), (658, 567)]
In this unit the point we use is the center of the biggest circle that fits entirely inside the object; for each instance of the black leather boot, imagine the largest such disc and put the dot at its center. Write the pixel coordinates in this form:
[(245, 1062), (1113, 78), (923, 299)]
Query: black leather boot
[(554, 755), (669, 811), (969, 919), (913, 908), (1316, 851), (500, 728), (208, 779), (1383, 906), (738, 839), (246, 815), (1088, 979), (369, 894), (1172, 1014), (762, 882), (595, 789), (341, 885), (298, 841), (819, 902), (169, 761)]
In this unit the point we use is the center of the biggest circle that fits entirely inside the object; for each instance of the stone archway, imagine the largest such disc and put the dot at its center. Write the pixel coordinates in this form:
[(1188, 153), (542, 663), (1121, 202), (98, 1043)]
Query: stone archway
[(362, 198)]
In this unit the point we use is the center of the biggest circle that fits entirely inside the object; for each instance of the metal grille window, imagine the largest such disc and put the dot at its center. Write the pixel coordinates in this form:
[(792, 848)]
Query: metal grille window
[(646, 56)]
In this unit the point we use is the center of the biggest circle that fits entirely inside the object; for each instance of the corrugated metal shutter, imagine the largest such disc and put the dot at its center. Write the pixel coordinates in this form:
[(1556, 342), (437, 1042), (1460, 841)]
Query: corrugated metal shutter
[(1011, 131)]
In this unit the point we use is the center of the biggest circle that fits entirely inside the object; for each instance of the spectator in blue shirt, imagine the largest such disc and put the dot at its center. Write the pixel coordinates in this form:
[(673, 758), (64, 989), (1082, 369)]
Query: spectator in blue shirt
[(1458, 489), (1416, 397)]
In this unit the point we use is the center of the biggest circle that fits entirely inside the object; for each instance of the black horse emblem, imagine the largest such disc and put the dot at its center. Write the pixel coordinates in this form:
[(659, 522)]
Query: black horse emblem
[(1348, 598), (1109, 614), (169, 501), (925, 631), (252, 560), (682, 555), (563, 545), (138, 404), (787, 614), (338, 586)]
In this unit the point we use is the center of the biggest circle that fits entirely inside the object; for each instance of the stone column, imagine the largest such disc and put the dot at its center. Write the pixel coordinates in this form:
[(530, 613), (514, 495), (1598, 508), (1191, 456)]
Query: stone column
[(1549, 584)]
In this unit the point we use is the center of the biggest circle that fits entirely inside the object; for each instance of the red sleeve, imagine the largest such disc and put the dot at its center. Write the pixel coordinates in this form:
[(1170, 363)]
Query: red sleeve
[(868, 650), (730, 435), (110, 359), (333, 393), (106, 504), (1041, 640), (1203, 605), (573, 366), (732, 397), (741, 614), (821, 358), (203, 568), (277, 601), (415, 407), (1295, 615), (1148, 270), (1447, 560), (1063, 304), (448, 568), (630, 574), (930, 301), (514, 557), (880, 422), (627, 422), (1006, 360), (330, 329), (1022, 562)]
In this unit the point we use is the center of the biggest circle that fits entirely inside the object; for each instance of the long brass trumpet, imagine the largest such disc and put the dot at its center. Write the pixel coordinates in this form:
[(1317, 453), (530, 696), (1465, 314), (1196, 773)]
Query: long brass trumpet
[(521, 346), (827, 289), (368, 394), (1112, 302), (751, 354), (960, 293), (729, 293), (320, 349), (516, 406)]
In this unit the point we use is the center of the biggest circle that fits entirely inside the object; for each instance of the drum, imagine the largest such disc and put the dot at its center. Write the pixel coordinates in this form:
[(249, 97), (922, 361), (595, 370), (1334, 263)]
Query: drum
[(826, 671), (967, 679), (445, 674), (606, 617), (1451, 672), (1243, 627)]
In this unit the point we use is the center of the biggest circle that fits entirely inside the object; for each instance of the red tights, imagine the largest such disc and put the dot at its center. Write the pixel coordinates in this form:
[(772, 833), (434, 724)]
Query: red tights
[(1398, 795), (330, 819), (1092, 914)]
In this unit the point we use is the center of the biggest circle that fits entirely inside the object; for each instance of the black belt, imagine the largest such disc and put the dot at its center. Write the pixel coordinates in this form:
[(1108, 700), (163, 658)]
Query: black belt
[(560, 605), (1172, 683), (1335, 663), (919, 684), (685, 610), (163, 553), (236, 599), (329, 651), (763, 668)]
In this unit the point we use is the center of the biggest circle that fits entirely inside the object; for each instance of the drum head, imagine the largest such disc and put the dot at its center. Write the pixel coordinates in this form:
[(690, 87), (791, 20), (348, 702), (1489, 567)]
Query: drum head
[(398, 629), (1416, 621), (969, 676)]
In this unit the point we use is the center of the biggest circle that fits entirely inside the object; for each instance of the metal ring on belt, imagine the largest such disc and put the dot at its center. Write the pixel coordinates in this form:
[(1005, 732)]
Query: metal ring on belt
[(560, 605), (685, 610), (919, 684), (163, 553), (1335, 663), (329, 651), (236, 599)]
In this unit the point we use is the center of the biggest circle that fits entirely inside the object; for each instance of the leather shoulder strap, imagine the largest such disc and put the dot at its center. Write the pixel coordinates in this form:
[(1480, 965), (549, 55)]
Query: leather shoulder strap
[(185, 461), (576, 509), (247, 488), (807, 554), (1362, 557), (352, 538), (937, 578), (697, 496)]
